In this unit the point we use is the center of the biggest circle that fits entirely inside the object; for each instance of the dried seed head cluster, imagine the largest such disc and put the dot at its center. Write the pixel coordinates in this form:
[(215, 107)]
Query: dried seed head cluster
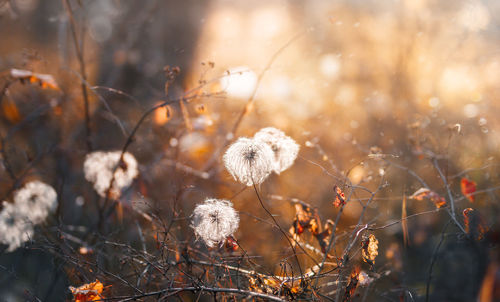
[(284, 147), (15, 228), (214, 220), (98, 168), (32, 204), (36, 199), (249, 161)]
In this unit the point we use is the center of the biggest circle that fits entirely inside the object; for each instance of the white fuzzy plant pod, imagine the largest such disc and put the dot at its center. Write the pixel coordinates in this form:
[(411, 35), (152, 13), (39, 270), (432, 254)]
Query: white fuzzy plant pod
[(98, 168), (284, 147), (249, 161), (15, 227), (214, 220), (35, 201)]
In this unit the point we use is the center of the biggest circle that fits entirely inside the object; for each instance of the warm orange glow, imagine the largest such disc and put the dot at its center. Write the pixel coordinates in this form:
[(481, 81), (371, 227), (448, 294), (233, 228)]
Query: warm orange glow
[(88, 292)]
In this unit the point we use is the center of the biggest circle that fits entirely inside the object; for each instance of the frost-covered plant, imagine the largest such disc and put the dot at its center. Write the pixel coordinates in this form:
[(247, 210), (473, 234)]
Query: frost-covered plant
[(214, 220), (35, 201), (98, 168), (284, 147), (15, 228), (249, 161)]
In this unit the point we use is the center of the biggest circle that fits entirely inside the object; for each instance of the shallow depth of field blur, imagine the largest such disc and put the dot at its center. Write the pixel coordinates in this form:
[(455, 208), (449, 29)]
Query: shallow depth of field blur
[(383, 97)]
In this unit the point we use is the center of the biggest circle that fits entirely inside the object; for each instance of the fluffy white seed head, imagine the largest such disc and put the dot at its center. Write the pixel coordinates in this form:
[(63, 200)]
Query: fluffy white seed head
[(35, 201), (98, 168), (214, 220), (249, 161), (15, 228), (284, 147)]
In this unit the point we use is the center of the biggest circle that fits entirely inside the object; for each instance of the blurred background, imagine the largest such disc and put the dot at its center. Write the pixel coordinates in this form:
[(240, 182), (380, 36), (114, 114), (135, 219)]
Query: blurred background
[(369, 89)]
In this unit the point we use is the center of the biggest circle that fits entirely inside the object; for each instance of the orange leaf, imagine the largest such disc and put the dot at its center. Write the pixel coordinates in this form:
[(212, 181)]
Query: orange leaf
[(353, 284), (10, 111), (422, 193), (404, 222), (468, 188), (302, 220), (339, 197), (369, 249), (163, 114), (88, 292), (475, 225), (44, 80)]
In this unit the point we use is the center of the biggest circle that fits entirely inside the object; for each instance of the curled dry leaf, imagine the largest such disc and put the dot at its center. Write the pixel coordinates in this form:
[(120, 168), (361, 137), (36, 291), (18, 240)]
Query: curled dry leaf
[(475, 225), (44, 80), (369, 249), (339, 197), (324, 236), (303, 218), (422, 193), (88, 292), (352, 285), (306, 219), (468, 188)]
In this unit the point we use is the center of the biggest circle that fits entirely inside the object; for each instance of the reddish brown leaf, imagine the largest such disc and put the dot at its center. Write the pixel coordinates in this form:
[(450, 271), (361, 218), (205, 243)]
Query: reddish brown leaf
[(475, 225), (468, 188), (231, 245), (353, 284), (324, 236), (339, 197), (303, 218)]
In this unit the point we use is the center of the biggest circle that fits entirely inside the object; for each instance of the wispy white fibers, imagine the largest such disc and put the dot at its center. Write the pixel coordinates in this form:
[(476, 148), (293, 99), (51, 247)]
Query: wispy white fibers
[(32, 204), (249, 161), (98, 168), (15, 228), (214, 220), (284, 147), (36, 200)]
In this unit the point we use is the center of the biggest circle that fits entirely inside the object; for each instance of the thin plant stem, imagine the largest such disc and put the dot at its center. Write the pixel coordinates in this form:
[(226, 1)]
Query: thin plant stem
[(281, 230)]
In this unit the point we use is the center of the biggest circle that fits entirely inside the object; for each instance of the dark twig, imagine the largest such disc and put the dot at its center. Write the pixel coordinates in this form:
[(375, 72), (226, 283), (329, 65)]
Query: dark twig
[(176, 290), (433, 260), (81, 61)]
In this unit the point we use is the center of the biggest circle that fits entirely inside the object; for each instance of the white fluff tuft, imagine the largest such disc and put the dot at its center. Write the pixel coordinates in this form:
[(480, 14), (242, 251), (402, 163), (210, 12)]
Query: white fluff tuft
[(214, 220), (284, 147), (249, 161), (15, 228), (98, 168), (35, 201)]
